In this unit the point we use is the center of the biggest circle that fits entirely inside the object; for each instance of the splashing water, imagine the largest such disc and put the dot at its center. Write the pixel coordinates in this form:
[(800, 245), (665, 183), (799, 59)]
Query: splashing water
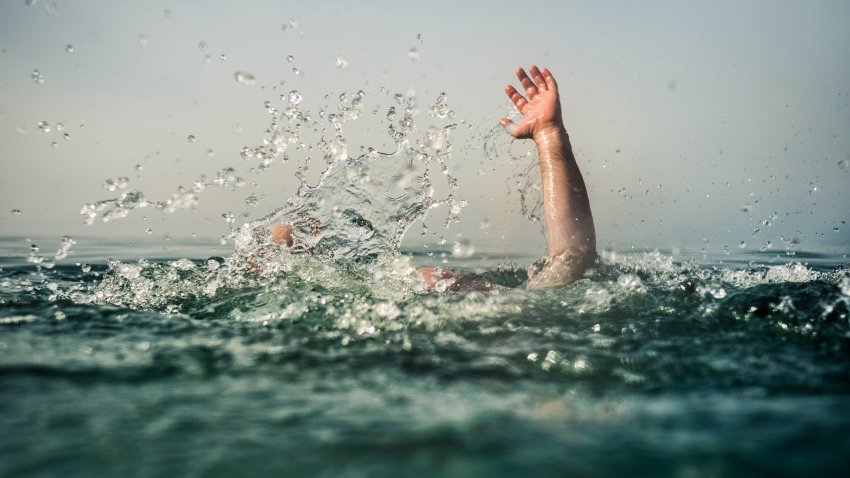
[(298, 351)]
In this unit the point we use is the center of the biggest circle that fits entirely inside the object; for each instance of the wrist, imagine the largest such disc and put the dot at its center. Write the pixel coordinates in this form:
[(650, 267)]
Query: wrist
[(549, 133)]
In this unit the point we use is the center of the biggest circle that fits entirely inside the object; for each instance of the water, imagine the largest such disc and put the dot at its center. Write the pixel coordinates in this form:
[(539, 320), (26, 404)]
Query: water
[(192, 358), (651, 366)]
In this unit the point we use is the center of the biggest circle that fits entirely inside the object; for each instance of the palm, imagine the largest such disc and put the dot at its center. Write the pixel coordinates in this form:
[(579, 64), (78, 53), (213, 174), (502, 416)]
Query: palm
[(541, 110)]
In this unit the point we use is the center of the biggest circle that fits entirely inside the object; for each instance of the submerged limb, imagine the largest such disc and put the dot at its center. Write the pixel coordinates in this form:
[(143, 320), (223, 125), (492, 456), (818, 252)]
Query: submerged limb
[(570, 233), (446, 280)]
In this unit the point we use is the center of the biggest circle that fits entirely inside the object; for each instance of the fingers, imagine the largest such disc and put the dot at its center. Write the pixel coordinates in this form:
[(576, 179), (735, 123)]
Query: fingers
[(516, 98), (550, 80), (538, 78), (527, 84)]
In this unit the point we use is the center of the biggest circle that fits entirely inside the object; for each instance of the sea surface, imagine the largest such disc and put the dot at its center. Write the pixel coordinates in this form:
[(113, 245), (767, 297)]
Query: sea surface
[(658, 363)]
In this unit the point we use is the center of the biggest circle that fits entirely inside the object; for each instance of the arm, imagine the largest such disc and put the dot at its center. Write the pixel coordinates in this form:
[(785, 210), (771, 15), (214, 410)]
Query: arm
[(569, 223)]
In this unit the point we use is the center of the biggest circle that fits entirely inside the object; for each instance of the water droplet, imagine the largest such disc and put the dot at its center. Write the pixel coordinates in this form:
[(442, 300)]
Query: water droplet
[(742, 245), (341, 62), (149, 230), (210, 153), (85, 268), (251, 200), (213, 264), (139, 167), (166, 13), (413, 54), (296, 72), (16, 212), (54, 144), (69, 49), (66, 136), (202, 46), (44, 126), (391, 114), (34, 247), (462, 249), (30, 2), (290, 59), (844, 164), (835, 229), (60, 127), (37, 77), (419, 38), (142, 40), (222, 57), (244, 78), (294, 97), (192, 138), (292, 24)]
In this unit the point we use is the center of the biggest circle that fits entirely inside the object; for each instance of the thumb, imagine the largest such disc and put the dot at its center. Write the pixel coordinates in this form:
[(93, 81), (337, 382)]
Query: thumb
[(509, 125)]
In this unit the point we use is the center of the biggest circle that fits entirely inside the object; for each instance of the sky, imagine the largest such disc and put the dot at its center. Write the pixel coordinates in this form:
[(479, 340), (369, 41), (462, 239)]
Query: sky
[(723, 125)]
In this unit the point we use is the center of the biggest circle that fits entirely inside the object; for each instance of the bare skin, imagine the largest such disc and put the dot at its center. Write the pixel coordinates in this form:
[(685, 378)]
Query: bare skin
[(570, 232)]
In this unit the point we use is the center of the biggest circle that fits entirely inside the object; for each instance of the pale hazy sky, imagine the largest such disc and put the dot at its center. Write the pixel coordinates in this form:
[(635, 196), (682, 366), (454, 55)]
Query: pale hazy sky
[(693, 122)]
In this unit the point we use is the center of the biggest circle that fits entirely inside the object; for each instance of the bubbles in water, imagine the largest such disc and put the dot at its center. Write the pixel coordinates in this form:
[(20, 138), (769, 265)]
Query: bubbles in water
[(742, 245), (213, 264), (244, 78), (844, 285), (341, 62), (44, 126), (222, 57), (290, 59), (294, 97), (391, 114), (629, 281), (413, 54), (37, 77), (69, 49), (192, 138), (462, 249), (296, 72), (16, 212), (251, 200)]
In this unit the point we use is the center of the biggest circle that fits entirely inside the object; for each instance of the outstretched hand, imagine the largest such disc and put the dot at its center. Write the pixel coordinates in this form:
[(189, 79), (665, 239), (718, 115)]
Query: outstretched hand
[(541, 111)]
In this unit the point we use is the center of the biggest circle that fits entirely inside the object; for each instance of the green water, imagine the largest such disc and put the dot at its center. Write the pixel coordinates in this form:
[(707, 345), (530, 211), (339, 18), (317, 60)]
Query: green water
[(652, 366)]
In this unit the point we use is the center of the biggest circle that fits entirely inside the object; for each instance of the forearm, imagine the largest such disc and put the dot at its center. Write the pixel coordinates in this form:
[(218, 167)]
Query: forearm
[(566, 206)]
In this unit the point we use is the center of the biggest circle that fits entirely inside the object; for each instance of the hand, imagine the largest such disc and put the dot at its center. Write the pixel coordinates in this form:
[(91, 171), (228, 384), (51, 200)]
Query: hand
[(541, 111)]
